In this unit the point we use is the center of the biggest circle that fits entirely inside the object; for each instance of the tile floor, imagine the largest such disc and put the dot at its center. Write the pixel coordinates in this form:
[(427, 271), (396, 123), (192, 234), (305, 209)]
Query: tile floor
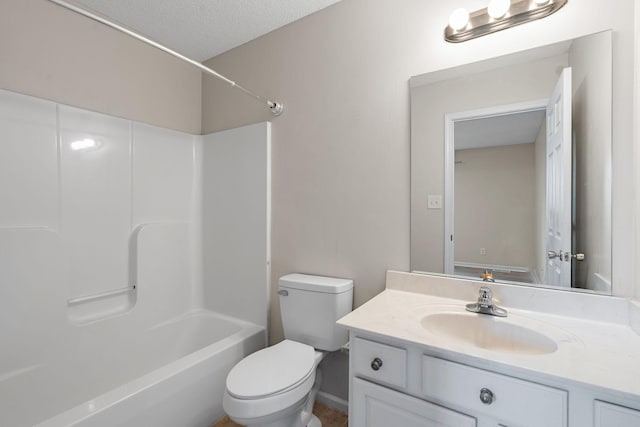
[(330, 418)]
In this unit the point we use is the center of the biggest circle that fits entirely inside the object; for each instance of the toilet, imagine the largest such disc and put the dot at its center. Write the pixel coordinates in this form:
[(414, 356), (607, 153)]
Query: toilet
[(277, 386)]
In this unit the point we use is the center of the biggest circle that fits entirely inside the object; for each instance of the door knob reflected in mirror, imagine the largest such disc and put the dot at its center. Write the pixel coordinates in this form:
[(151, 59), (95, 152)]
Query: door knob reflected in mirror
[(554, 254)]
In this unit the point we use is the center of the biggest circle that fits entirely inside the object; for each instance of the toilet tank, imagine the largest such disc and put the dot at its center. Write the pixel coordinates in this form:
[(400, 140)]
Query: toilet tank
[(310, 306)]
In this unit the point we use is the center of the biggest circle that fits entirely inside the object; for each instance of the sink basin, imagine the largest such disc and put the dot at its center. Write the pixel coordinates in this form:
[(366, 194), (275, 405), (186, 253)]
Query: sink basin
[(488, 332)]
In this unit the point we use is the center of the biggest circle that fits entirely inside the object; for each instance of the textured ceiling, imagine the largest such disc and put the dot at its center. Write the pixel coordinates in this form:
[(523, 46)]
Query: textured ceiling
[(202, 29)]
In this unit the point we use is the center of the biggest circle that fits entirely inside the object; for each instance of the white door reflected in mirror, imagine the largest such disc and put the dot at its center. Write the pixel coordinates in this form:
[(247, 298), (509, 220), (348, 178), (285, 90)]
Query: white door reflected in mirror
[(559, 182)]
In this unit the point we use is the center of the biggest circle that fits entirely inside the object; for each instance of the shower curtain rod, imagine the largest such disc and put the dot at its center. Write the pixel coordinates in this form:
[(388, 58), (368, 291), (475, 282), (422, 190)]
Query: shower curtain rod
[(275, 107)]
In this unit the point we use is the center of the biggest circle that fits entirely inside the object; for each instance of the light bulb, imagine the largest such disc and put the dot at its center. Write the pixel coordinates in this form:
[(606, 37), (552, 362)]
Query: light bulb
[(498, 8), (459, 19)]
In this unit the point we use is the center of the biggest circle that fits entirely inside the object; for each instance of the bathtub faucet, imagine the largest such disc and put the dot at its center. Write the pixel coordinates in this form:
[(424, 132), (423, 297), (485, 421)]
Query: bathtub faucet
[(485, 304)]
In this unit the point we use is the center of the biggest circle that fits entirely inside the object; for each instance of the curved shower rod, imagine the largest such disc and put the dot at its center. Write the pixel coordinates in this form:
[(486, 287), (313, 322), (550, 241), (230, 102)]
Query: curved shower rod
[(275, 107)]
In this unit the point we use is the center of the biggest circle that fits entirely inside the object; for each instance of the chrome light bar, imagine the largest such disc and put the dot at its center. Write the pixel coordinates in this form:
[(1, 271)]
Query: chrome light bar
[(480, 22)]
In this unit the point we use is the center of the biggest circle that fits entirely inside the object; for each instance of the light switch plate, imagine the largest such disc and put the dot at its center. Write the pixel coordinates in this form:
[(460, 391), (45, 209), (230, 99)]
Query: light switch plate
[(434, 201)]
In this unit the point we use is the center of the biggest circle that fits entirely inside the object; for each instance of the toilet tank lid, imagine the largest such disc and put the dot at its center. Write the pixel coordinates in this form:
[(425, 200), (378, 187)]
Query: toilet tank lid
[(308, 282)]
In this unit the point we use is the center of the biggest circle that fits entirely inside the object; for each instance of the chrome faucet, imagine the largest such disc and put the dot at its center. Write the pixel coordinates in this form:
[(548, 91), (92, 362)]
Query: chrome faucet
[(485, 304)]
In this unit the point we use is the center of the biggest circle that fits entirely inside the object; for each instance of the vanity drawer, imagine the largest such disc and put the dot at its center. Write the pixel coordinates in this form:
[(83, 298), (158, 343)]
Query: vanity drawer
[(610, 415), (379, 362), (511, 401)]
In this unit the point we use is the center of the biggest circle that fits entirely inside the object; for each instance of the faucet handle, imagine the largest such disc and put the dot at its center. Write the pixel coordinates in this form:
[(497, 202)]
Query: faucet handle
[(485, 291), (485, 296)]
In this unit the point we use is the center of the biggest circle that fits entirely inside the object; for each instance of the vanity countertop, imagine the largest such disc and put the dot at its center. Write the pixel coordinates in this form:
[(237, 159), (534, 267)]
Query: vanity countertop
[(599, 350)]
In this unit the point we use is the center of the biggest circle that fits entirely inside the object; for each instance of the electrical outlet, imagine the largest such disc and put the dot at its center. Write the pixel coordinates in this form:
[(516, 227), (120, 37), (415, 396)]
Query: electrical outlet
[(434, 201), (483, 251)]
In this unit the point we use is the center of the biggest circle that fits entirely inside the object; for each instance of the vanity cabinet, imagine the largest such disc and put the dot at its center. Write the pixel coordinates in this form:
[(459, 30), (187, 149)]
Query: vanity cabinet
[(376, 406), (398, 384), (392, 385)]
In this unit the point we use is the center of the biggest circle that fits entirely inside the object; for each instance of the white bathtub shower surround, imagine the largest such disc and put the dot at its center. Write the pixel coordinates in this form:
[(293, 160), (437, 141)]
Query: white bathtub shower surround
[(161, 361), (94, 196), (237, 257), (173, 375), (28, 165), (103, 316), (95, 203)]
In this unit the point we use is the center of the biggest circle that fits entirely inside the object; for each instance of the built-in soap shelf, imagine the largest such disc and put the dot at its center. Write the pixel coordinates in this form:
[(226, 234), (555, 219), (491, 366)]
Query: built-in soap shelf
[(150, 246), (106, 294), (89, 308)]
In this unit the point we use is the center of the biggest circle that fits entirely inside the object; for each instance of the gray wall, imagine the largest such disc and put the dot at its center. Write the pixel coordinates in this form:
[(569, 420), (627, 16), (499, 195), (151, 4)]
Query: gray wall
[(494, 205)]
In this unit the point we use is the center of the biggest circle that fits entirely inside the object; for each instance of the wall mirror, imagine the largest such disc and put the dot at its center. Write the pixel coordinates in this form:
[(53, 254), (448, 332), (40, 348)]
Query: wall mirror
[(511, 167)]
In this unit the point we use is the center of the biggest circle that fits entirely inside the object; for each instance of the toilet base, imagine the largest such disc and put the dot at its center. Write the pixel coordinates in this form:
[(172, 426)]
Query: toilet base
[(289, 422), (314, 422), (288, 417)]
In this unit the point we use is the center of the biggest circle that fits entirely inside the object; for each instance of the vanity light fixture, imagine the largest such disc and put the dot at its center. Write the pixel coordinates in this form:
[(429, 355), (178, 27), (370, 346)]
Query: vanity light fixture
[(499, 15)]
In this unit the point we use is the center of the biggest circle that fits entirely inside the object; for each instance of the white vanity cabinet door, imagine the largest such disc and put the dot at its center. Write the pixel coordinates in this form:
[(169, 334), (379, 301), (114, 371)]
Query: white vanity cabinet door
[(377, 406), (610, 415)]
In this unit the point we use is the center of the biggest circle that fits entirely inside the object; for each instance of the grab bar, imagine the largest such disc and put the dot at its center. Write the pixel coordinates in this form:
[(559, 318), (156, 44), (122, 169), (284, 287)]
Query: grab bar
[(105, 294)]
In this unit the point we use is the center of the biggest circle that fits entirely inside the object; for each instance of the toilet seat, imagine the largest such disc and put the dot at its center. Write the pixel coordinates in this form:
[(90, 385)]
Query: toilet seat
[(272, 371)]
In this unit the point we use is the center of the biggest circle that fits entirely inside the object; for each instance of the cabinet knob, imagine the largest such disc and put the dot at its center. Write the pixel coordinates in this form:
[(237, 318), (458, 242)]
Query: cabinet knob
[(376, 364), (486, 396)]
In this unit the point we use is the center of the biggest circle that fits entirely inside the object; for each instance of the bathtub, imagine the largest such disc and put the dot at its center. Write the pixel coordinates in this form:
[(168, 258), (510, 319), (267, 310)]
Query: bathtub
[(170, 374)]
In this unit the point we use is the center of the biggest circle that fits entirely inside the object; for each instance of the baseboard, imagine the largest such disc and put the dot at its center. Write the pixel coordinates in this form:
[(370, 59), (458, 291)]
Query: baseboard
[(332, 401)]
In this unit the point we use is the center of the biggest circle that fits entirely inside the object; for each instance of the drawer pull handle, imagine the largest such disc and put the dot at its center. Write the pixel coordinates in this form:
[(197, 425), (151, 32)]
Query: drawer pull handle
[(486, 396), (376, 364)]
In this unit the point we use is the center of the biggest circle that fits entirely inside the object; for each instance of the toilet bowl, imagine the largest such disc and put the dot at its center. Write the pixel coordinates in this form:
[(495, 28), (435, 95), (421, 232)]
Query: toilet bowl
[(272, 387), (276, 386)]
